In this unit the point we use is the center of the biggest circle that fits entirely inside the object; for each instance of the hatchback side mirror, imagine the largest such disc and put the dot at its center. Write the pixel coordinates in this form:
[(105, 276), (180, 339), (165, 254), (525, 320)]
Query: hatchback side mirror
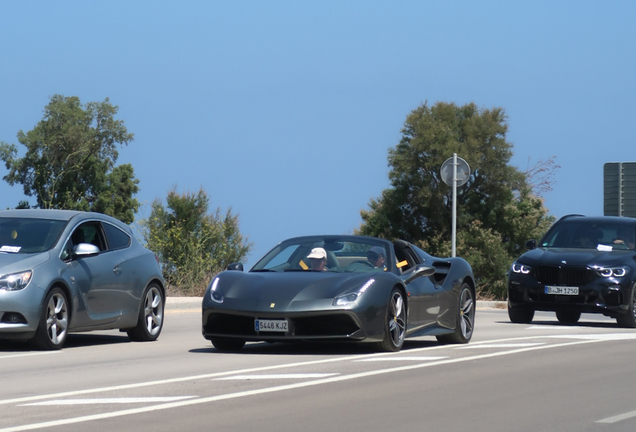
[(85, 250), (235, 266), (531, 244)]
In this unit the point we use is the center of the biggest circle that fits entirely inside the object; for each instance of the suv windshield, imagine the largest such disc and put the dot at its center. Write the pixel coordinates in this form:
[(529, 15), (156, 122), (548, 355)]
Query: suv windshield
[(586, 234), (24, 235)]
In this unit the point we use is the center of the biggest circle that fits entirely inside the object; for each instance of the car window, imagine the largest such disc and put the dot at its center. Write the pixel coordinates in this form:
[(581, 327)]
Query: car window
[(587, 234), (117, 239), (25, 235), (89, 232), (348, 254)]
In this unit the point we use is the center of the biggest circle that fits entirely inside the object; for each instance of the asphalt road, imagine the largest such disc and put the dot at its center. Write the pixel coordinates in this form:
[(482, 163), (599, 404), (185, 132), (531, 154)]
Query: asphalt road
[(538, 377)]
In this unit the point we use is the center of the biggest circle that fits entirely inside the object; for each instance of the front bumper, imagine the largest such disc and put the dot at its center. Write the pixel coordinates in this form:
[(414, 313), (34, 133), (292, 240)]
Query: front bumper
[(302, 326), (20, 312), (608, 296)]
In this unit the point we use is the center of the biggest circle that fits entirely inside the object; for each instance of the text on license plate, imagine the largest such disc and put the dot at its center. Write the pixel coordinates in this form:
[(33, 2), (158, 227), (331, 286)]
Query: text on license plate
[(271, 325), (561, 290)]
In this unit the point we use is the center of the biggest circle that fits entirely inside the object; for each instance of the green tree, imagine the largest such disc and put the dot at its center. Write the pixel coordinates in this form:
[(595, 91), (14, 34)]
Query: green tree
[(496, 209), (192, 244), (70, 160)]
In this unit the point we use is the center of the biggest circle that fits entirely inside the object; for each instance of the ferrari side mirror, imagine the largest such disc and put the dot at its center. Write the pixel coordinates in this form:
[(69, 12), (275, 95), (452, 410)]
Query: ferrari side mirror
[(420, 270), (235, 266)]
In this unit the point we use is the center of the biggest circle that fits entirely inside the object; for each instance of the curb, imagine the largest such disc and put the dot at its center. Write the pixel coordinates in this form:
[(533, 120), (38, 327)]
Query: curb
[(184, 303)]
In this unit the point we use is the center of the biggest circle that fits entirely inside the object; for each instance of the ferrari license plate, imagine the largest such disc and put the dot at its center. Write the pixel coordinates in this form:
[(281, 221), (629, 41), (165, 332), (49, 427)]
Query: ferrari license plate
[(271, 325), (561, 290)]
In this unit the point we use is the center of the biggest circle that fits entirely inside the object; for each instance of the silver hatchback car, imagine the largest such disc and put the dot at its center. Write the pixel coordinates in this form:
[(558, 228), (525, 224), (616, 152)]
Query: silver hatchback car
[(69, 271)]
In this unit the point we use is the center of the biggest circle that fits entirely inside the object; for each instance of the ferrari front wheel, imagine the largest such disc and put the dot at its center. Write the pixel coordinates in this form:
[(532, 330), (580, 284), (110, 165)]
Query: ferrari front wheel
[(465, 319), (394, 323)]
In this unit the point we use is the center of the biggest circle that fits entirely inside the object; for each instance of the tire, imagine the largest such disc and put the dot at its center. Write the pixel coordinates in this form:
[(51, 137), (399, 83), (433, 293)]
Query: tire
[(228, 344), (628, 319), (150, 321), (465, 320), (394, 323), (520, 315), (54, 320), (568, 317)]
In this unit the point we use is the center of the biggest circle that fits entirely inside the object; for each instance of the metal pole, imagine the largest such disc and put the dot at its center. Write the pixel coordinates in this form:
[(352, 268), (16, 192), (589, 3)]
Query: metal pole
[(454, 202)]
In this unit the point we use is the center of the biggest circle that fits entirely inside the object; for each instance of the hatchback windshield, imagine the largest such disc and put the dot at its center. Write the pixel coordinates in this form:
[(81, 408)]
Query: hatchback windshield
[(325, 255), (24, 235), (590, 235)]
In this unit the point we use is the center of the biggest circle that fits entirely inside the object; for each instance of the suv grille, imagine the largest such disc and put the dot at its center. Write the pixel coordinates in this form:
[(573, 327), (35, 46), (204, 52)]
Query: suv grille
[(573, 276)]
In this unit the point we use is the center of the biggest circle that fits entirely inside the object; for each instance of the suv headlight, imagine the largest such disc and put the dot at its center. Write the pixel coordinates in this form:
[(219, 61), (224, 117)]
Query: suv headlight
[(612, 271), (520, 268), (15, 281)]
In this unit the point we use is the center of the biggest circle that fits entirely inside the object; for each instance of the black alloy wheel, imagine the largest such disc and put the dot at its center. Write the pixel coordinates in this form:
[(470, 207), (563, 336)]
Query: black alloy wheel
[(395, 323), (465, 320)]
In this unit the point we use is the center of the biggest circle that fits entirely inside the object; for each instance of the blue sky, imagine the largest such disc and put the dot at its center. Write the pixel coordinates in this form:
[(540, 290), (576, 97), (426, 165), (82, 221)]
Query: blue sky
[(284, 111)]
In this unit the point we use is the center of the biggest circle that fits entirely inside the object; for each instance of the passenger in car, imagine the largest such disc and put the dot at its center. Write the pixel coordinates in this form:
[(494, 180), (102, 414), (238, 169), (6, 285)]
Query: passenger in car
[(625, 236), (376, 257)]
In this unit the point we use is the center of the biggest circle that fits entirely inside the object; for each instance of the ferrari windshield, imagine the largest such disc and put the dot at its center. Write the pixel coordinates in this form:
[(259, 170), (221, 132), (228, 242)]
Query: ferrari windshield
[(585, 234), (326, 254), (25, 235)]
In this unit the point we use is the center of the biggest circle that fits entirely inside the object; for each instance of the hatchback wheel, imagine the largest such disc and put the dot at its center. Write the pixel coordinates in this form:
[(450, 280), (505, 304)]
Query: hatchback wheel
[(54, 319), (150, 320)]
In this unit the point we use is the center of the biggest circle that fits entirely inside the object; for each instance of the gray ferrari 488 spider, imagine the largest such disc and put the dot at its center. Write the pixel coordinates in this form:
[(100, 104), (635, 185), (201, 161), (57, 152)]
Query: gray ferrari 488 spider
[(341, 288)]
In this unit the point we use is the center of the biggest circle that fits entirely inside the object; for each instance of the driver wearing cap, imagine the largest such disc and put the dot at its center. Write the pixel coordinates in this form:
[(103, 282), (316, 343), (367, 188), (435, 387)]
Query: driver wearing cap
[(318, 259)]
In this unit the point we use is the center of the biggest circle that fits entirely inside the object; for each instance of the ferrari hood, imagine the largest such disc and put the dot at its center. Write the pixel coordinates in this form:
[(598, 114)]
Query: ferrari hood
[(285, 290), (575, 257)]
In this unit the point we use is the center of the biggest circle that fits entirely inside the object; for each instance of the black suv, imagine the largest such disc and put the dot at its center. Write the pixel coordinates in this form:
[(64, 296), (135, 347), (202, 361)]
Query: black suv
[(582, 264)]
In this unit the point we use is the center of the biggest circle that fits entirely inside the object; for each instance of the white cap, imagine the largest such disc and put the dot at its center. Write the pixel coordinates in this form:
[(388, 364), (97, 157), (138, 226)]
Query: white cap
[(318, 253)]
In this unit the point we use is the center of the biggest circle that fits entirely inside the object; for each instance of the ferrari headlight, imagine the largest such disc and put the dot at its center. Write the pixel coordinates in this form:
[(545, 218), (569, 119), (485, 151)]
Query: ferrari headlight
[(15, 281), (215, 292), (352, 297), (612, 271), (520, 268)]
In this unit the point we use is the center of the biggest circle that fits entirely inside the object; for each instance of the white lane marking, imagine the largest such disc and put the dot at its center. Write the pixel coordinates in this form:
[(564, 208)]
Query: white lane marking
[(329, 380), (403, 358), (276, 376), (243, 371), (206, 376), (600, 336), (101, 401), (617, 418), (29, 354), (545, 327), (501, 345)]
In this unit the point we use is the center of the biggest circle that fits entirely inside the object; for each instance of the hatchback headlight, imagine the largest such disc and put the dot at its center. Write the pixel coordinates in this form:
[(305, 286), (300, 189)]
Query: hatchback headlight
[(520, 268), (612, 271), (15, 281)]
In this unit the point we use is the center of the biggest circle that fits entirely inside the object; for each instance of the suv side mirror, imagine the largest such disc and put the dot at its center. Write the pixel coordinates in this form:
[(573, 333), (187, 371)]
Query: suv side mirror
[(235, 266), (531, 244)]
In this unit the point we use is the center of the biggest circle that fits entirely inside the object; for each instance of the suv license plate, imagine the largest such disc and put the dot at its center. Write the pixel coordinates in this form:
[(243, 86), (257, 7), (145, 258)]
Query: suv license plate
[(561, 290), (271, 325)]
